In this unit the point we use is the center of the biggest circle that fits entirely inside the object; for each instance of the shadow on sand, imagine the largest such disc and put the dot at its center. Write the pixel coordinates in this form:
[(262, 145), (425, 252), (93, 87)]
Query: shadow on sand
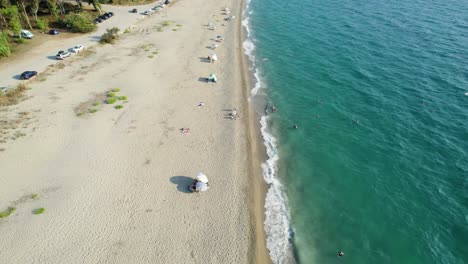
[(182, 182)]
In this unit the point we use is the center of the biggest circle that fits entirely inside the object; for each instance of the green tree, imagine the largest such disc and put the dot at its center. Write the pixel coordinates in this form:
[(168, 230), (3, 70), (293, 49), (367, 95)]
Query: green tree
[(12, 16), (5, 47), (79, 22)]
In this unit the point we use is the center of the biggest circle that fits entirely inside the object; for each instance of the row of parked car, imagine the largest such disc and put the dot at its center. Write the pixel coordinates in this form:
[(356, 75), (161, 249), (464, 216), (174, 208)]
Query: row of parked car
[(60, 56), (148, 12), (103, 17)]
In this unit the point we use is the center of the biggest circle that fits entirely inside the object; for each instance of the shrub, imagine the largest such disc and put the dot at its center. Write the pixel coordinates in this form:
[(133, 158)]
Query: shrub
[(19, 40), (110, 94), (97, 103), (39, 210), (174, 29), (12, 96), (5, 46), (179, 25), (42, 24), (79, 22), (34, 196), (166, 23), (150, 56), (92, 110), (111, 100), (110, 36), (123, 98), (7, 212), (116, 90), (127, 30), (118, 107), (155, 52)]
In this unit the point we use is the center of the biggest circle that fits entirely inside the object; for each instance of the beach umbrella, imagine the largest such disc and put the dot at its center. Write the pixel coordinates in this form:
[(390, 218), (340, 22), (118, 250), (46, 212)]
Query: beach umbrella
[(202, 177), (201, 187), (214, 57), (213, 77)]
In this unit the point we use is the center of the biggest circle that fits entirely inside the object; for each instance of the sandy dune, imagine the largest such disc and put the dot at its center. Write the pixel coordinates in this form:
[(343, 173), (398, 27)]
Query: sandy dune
[(114, 183)]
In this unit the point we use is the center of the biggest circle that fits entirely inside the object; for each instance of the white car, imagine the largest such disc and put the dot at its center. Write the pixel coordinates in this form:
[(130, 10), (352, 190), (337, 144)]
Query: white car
[(78, 48), (146, 12), (63, 54)]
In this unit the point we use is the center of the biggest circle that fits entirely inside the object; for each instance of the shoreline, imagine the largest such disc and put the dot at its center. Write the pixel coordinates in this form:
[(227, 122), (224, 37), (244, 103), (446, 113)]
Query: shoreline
[(256, 154)]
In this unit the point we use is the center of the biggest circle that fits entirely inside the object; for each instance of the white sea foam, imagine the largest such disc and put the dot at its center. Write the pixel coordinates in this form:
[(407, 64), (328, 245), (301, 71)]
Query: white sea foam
[(276, 211)]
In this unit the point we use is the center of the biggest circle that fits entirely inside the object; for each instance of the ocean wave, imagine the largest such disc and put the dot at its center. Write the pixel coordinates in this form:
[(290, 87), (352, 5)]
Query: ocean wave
[(276, 223)]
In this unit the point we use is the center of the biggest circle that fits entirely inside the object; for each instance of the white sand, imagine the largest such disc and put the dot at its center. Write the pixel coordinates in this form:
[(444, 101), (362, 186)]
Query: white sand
[(114, 183)]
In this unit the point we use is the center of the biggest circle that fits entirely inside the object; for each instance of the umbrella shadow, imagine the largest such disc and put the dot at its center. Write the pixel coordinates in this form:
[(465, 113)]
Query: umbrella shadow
[(182, 182), (203, 79), (204, 59)]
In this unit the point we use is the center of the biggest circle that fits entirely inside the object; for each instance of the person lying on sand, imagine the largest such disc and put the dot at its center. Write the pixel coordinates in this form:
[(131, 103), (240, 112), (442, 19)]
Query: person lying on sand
[(201, 104), (185, 130)]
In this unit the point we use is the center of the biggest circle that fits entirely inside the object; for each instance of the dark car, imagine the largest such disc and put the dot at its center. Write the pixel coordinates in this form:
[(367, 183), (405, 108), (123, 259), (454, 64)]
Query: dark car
[(53, 32), (110, 14), (134, 10), (28, 74), (104, 17), (97, 21)]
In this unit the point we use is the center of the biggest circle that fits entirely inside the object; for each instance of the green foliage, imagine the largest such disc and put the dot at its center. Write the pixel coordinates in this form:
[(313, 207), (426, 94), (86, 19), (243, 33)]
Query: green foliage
[(42, 24), (97, 103), (118, 107), (5, 46), (39, 210), (116, 90), (110, 36), (79, 22), (92, 110), (19, 40), (53, 7), (150, 56), (12, 16), (7, 212), (110, 94), (34, 196), (111, 100), (166, 23), (123, 98), (127, 30), (155, 52)]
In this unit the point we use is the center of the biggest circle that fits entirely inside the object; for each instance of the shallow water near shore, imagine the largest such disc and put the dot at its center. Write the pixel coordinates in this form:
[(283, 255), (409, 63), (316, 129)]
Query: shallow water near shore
[(378, 165)]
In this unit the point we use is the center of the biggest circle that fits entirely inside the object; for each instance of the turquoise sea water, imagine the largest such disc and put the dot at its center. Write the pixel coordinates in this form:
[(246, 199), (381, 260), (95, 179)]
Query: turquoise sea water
[(378, 167)]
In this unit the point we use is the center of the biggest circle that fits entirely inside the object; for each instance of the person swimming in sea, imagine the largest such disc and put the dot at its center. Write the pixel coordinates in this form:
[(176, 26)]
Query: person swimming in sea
[(295, 126), (340, 254)]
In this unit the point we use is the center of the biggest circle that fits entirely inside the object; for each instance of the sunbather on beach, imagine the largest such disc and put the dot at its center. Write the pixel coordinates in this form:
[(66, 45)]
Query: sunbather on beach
[(185, 130)]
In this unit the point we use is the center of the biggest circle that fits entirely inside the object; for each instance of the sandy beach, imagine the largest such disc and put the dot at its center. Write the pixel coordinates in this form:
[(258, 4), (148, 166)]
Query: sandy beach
[(114, 182)]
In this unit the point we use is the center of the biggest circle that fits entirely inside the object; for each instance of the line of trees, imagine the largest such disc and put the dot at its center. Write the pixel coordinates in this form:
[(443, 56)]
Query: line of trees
[(16, 15)]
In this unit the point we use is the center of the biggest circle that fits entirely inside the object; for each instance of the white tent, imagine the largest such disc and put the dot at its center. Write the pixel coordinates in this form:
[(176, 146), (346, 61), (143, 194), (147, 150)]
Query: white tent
[(201, 187), (214, 57), (201, 177)]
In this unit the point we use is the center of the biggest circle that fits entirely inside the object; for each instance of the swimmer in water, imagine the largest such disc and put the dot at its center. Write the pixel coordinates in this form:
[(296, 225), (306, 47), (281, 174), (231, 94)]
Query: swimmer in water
[(273, 109), (295, 126), (340, 254)]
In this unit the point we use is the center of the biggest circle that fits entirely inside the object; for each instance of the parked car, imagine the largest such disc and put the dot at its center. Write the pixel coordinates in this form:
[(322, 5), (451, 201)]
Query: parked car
[(27, 75), (110, 14), (78, 48), (97, 21), (134, 10), (53, 32), (24, 34), (63, 54), (147, 12)]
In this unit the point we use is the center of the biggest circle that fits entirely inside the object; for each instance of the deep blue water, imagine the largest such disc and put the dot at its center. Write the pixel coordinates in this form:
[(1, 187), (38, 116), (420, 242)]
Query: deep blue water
[(378, 167)]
